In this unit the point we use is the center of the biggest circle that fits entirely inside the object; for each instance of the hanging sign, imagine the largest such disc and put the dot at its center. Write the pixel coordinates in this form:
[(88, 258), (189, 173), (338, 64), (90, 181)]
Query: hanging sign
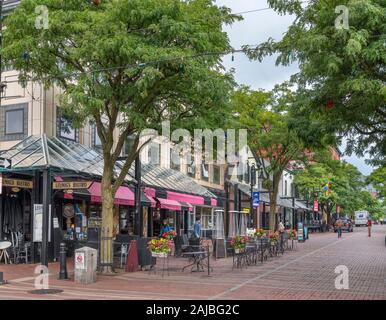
[(14, 183), (246, 210), (256, 199), (316, 206), (71, 185)]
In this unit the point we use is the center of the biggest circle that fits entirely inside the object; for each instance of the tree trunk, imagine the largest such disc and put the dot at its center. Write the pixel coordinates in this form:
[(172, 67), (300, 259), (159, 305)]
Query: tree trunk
[(273, 202), (106, 251)]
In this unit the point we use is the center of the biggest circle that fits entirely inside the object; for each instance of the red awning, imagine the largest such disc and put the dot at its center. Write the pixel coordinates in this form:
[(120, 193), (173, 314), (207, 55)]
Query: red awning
[(169, 204), (124, 195), (195, 200)]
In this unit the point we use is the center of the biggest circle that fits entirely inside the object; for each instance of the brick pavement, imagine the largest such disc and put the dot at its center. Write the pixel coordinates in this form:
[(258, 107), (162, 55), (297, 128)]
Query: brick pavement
[(307, 273)]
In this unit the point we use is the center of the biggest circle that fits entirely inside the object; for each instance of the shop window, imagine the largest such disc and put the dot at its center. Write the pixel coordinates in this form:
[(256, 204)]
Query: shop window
[(207, 221), (65, 127), (216, 174)]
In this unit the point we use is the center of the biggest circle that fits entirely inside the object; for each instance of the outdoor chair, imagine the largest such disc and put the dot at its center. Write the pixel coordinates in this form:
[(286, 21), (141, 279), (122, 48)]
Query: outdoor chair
[(21, 249)]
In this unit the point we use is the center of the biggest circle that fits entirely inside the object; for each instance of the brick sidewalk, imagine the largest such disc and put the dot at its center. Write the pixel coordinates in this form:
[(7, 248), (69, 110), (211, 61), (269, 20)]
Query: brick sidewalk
[(307, 273)]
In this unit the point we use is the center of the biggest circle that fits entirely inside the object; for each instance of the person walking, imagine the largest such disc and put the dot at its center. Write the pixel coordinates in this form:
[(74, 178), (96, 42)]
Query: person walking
[(197, 229), (369, 225), (339, 228)]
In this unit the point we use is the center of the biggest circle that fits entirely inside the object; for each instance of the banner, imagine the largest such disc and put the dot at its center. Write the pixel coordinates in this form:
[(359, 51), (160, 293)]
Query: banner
[(256, 199)]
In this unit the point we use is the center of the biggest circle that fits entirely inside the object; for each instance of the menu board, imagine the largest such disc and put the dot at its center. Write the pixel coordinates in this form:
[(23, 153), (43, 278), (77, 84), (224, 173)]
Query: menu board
[(38, 223)]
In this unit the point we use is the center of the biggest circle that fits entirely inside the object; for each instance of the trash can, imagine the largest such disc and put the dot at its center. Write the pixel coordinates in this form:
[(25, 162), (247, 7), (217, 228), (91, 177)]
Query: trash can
[(86, 265)]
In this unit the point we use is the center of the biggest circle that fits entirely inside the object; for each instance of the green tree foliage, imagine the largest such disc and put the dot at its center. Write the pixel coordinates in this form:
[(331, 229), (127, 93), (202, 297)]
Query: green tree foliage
[(341, 82), (378, 180), (346, 186), (118, 64), (269, 136)]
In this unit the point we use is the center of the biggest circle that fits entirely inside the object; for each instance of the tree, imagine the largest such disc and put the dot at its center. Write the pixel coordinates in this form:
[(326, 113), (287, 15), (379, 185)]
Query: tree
[(378, 180), (345, 186), (269, 136), (342, 76), (119, 63)]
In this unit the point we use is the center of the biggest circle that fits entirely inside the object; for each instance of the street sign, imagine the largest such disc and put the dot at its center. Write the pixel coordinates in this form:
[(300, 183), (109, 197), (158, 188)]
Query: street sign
[(5, 163), (256, 199)]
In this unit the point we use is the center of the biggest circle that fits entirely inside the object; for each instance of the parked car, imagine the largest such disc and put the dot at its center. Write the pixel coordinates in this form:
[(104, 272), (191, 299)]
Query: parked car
[(348, 225)]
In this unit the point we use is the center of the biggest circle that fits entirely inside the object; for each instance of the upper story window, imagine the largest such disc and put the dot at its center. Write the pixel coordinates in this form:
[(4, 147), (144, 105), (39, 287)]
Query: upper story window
[(14, 122), (192, 168), (285, 188), (154, 153), (96, 141), (65, 127), (204, 172), (175, 161), (216, 174)]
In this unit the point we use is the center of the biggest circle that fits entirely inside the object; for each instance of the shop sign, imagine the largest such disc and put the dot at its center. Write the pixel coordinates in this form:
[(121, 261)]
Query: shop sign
[(79, 261), (68, 185), (14, 183), (246, 210), (316, 206)]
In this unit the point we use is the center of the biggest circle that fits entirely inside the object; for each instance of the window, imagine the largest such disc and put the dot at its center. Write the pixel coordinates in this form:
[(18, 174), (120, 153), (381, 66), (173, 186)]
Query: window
[(175, 163), (285, 188), (192, 168), (96, 140), (204, 172), (14, 121), (154, 153), (216, 174), (65, 128)]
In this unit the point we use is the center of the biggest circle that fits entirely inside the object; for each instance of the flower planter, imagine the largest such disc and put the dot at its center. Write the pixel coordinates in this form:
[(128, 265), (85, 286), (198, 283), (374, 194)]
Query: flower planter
[(159, 254), (239, 250)]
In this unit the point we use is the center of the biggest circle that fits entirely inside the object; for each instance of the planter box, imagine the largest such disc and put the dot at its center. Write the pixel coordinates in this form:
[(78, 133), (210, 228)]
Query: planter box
[(239, 250), (159, 255)]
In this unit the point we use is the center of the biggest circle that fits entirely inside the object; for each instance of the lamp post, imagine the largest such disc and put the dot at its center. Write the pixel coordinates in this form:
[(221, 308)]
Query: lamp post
[(253, 183)]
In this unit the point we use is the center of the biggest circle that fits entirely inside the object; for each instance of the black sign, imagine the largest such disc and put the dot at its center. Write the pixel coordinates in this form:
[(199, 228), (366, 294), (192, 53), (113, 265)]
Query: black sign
[(5, 163)]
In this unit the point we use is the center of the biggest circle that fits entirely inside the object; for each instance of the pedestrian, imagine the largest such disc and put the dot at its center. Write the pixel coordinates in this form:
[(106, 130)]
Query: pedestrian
[(281, 227), (339, 227), (197, 229), (166, 227), (369, 225)]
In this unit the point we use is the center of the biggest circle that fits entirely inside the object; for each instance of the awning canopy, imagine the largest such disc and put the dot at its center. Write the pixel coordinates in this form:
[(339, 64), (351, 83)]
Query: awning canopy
[(301, 205), (124, 195), (169, 204)]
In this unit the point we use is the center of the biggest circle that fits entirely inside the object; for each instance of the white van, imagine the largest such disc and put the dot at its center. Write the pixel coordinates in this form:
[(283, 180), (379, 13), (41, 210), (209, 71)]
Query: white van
[(361, 218)]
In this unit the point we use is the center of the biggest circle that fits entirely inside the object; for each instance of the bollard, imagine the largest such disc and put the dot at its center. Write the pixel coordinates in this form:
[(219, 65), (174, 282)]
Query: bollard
[(63, 262), (2, 281)]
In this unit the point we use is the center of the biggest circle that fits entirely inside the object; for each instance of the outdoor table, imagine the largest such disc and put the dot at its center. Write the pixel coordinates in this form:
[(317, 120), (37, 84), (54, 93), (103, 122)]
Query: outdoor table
[(4, 245), (199, 258)]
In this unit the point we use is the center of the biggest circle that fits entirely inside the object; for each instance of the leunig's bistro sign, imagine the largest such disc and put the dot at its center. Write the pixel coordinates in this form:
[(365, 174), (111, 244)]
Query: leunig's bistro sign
[(69, 185), (17, 183)]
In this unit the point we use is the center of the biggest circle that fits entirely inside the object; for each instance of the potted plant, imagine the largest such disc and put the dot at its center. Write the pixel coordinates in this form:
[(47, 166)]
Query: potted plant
[(260, 233), (292, 234), (274, 237), (160, 247), (238, 243), (169, 235)]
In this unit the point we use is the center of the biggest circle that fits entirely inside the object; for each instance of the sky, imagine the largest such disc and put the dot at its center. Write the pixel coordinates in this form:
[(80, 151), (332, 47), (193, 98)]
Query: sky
[(254, 29)]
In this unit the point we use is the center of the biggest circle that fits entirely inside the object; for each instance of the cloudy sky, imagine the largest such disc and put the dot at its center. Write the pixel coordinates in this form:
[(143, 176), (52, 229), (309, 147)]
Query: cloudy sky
[(254, 29)]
